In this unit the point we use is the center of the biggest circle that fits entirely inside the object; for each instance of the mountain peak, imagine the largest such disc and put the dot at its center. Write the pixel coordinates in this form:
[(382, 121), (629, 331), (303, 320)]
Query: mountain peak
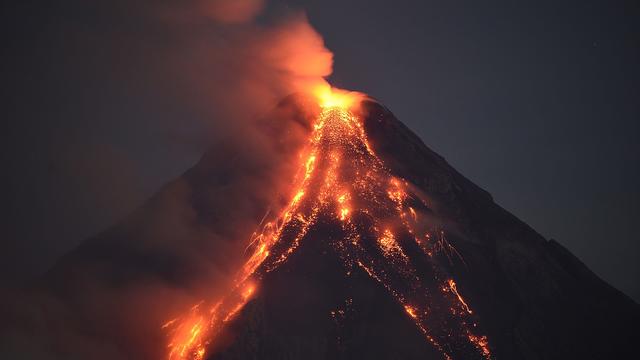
[(376, 248)]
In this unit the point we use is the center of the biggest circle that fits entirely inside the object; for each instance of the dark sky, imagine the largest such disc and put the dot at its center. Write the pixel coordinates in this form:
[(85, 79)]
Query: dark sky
[(535, 101)]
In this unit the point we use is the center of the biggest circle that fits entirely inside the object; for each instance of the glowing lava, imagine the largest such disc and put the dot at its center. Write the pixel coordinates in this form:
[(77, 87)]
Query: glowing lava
[(343, 183)]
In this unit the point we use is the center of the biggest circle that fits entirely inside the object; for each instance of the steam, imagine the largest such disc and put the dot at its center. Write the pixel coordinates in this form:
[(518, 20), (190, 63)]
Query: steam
[(227, 66), (217, 67)]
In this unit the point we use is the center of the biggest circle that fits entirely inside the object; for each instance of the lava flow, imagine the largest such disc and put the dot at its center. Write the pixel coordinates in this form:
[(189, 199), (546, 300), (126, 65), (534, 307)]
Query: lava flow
[(343, 183)]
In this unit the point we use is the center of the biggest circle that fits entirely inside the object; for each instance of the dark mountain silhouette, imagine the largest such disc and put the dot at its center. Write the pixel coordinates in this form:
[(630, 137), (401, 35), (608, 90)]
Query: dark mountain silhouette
[(334, 296)]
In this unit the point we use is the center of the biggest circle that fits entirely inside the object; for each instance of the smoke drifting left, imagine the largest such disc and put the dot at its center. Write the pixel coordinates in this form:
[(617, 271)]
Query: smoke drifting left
[(217, 67)]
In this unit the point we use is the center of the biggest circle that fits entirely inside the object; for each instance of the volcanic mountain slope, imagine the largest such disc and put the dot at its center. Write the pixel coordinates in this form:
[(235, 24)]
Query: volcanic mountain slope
[(383, 251)]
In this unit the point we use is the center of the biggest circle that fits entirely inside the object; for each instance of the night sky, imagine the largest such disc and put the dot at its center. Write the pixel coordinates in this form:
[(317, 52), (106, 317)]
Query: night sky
[(535, 101)]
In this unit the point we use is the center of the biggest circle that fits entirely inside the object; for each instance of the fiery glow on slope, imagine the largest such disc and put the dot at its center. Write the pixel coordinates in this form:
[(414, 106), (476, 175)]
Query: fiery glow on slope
[(454, 289), (345, 184)]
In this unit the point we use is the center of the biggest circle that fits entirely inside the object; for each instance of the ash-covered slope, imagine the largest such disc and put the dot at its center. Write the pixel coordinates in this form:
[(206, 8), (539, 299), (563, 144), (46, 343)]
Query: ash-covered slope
[(534, 297), (527, 297)]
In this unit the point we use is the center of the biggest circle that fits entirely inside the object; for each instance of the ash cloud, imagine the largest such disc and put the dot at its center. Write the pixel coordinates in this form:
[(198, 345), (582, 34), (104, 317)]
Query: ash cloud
[(207, 74)]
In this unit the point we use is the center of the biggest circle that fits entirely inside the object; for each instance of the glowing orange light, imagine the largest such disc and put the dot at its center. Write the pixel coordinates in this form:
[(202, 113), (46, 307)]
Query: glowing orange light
[(296, 198), (309, 166), (343, 213), (413, 214), (331, 97), (343, 178), (454, 289), (481, 343), (411, 311)]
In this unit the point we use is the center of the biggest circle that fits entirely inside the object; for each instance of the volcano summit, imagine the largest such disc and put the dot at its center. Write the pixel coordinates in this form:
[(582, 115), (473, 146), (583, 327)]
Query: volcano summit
[(378, 249), (369, 221)]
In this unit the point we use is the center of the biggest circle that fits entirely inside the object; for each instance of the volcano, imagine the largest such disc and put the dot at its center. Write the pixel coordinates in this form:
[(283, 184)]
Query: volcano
[(379, 249)]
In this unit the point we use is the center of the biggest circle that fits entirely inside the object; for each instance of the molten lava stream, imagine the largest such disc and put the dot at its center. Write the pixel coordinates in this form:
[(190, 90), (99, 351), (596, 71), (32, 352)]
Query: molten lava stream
[(346, 184)]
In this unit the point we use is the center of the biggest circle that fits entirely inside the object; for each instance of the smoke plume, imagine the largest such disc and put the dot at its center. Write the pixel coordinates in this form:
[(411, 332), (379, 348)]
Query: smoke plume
[(215, 70)]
